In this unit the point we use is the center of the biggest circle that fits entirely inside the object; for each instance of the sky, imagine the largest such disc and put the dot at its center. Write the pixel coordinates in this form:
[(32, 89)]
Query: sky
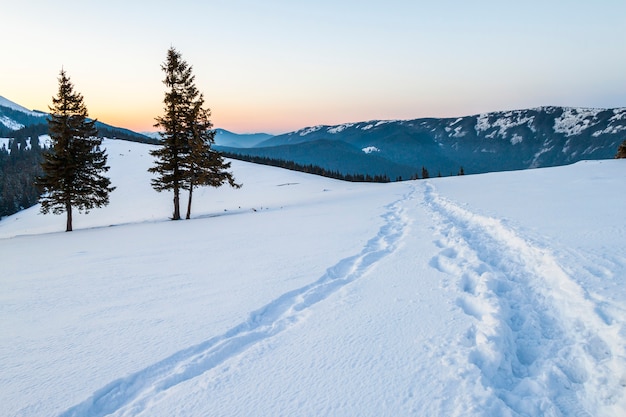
[(276, 66)]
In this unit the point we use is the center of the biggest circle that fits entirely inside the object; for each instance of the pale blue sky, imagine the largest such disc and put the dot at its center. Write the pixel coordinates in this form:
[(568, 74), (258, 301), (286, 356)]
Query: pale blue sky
[(280, 65)]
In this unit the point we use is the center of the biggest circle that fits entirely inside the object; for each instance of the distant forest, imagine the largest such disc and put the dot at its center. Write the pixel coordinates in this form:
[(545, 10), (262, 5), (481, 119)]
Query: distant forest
[(309, 169), (20, 163), (317, 170)]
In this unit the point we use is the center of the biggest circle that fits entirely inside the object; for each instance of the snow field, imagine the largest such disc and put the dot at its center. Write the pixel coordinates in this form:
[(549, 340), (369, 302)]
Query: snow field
[(135, 392), (487, 295), (537, 341)]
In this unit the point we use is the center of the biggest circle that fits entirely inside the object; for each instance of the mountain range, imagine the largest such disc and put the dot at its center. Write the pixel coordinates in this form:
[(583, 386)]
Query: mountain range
[(496, 141)]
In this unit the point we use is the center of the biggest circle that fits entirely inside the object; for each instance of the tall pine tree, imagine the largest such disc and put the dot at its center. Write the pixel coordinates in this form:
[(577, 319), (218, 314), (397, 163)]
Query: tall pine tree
[(74, 164), (169, 158), (185, 160)]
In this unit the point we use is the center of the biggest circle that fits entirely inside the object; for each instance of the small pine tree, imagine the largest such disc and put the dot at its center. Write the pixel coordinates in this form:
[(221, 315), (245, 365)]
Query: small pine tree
[(621, 151), (461, 171), (204, 166), (425, 174), (73, 166)]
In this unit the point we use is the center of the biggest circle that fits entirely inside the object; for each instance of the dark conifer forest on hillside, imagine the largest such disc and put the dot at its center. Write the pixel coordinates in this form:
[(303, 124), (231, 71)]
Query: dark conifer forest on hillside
[(20, 164)]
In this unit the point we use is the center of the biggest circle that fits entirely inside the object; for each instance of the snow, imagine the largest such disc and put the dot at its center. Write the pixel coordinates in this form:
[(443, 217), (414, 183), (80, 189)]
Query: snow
[(500, 294), (546, 149), (503, 122), (574, 121), (44, 141), (14, 106), (611, 130), (340, 128), (482, 122), (370, 149), (618, 115), (458, 132), (306, 131), (5, 142), (10, 123)]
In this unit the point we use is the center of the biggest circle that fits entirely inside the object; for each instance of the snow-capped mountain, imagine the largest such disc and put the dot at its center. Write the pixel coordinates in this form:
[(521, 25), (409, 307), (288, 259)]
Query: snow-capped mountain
[(497, 141)]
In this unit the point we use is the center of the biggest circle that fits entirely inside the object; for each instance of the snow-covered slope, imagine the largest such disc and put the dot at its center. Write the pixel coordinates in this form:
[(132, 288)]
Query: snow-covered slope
[(4, 102), (14, 117), (487, 295)]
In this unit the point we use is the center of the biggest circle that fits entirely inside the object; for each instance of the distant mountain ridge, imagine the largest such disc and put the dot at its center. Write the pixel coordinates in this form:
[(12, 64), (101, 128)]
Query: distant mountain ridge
[(4, 102), (224, 137), (14, 117), (496, 141)]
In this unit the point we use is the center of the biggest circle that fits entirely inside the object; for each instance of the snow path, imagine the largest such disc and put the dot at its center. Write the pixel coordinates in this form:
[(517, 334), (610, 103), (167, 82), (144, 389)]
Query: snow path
[(131, 395), (539, 344)]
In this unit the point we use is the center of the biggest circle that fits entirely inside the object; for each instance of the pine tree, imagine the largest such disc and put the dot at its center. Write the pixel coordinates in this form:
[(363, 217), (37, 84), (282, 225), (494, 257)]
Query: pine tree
[(204, 166), (169, 158), (425, 174), (73, 166), (185, 159)]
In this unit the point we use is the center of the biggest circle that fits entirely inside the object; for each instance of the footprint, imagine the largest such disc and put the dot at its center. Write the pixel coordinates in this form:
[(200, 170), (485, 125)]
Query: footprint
[(471, 307), (574, 368), (443, 264), (449, 253), (527, 351), (469, 338), (569, 406), (598, 349), (468, 284), (517, 320)]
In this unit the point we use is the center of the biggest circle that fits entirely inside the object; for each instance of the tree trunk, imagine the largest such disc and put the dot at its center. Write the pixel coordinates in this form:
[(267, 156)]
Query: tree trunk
[(176, 215), (189, 202), (68, 210)]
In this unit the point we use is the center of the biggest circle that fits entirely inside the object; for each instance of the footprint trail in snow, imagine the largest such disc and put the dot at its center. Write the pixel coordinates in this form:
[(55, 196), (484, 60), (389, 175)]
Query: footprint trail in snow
[(537, 345), (135, 393)]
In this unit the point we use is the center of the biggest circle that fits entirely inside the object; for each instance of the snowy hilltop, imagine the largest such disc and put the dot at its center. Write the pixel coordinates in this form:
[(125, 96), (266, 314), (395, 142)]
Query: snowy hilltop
[(487, 295)]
